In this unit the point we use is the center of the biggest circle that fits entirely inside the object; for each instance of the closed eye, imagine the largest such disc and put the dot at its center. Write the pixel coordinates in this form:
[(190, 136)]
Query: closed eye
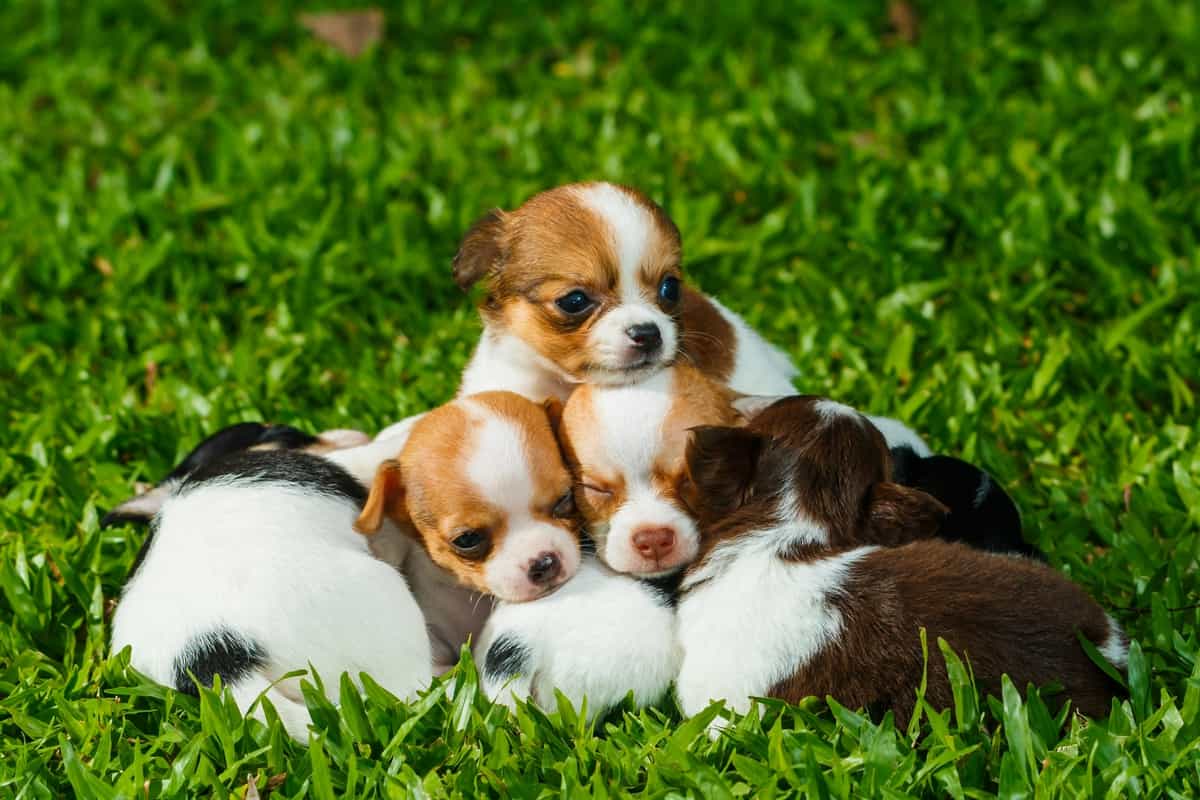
[(587, 487)]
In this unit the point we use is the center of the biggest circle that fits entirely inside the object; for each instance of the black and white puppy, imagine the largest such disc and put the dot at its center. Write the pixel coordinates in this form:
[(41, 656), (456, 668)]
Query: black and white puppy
[(252, 570), (599, 636)]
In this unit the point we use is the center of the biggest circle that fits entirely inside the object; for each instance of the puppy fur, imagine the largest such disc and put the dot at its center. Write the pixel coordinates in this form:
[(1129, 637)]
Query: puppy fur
[(255, 570), (599, 637), (815, 576), (625, 446), (482, 483), (574, 277)]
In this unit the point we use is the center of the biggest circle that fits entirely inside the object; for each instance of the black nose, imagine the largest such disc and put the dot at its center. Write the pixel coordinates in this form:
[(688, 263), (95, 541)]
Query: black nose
[(544, 568), (645, 336)]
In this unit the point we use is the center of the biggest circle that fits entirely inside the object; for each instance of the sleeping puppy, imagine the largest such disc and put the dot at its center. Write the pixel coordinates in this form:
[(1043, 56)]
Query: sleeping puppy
[(585, 285), (252, 570), (599, 637), (816, 574)]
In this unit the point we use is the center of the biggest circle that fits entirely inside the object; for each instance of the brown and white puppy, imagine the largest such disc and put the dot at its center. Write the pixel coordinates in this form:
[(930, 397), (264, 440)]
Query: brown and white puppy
[(584, 285), (482, 483), (625, 446), (804, 584)]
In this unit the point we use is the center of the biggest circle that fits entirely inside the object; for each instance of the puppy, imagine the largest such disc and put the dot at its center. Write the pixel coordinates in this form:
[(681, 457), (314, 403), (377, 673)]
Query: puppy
[(981, 513), (625, 446), (481, 482), (584, 285), (252, 570), (598, 638), (814, 578)]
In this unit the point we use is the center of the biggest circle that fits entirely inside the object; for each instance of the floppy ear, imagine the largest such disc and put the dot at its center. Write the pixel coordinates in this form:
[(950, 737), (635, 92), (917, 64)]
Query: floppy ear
[(138, 510), (386, 499), (899, 514), (480, 251), (750, 405), (721, 463)]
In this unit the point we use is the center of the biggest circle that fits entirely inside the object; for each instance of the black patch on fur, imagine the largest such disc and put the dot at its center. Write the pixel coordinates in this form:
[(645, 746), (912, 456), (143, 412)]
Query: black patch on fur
[(219, 652), (508, 656), (982, 515), (666, 587), (236, 438), (296, 467)]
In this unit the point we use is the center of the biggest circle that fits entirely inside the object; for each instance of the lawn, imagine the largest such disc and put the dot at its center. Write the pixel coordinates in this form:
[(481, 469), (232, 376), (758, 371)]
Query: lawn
[(988, 226)]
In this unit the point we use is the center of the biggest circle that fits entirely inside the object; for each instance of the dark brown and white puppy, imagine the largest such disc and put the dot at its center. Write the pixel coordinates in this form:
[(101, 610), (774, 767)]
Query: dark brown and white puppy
[(815, 576), (482, 483), (584, 285)]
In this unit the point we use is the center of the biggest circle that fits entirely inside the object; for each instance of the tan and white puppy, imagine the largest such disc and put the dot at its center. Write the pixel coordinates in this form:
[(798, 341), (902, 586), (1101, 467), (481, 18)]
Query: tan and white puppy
[(625, 446), (584, 285), (482, 483)]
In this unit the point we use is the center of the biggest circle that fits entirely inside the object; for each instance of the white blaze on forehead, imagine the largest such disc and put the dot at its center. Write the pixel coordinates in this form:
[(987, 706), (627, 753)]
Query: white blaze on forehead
[(631, 419), (497, 462), (828, 409), (630, 226)]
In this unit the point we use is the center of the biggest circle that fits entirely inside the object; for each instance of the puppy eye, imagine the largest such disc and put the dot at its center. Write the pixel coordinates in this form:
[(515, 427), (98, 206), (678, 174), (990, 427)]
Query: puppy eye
[(668, 290), (565, 506), (471, 544), (576, 302)]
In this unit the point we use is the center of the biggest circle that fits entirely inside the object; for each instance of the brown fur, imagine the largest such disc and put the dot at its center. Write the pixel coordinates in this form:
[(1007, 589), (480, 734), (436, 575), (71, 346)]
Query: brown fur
[(426, 490), (1007, 614)]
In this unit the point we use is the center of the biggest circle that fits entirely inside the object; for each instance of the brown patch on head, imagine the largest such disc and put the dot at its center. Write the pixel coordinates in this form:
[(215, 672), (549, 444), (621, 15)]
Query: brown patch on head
[(599, 481), (706, 339), (553, 245), (822, 456)]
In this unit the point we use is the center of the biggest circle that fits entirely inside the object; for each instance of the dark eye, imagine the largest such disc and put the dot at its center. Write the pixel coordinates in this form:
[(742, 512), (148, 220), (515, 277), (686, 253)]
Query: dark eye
[(668, 290), (472, 544), (565, 506), (575, 302)]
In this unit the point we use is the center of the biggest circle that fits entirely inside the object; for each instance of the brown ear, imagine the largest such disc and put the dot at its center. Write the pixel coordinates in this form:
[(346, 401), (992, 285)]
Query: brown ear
[(480, 251), (721, 464), (899, 514), (386, 499)]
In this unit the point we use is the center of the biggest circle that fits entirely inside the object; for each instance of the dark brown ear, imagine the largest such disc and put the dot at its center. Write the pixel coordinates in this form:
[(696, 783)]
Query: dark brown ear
[(721, 463), (386, 499), (480, 251), (899, 514)]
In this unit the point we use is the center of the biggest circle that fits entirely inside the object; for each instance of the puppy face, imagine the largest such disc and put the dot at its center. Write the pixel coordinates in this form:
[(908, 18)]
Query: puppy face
[(626, 449), (817, 469), (586, 274), (482, 482)]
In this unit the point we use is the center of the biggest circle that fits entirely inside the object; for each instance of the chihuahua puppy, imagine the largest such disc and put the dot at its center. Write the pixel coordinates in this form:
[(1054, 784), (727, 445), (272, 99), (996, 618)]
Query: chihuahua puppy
[(597, 639), (481, 482), (815, 576), (252, 570), (585, 285)]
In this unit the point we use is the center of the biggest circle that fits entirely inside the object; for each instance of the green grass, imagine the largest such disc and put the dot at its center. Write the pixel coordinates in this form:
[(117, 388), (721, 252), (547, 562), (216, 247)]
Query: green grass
[(206, 216)]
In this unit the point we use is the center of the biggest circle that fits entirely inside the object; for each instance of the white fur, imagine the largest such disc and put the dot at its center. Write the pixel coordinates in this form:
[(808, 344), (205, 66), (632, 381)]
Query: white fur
[(630, 420), (1116, 646), (499, 468), (759, 367), (363, 461), (283, 567), (504, 362), (600, 636), (630, 227), (749, 625), (897, 434), (831, 409)]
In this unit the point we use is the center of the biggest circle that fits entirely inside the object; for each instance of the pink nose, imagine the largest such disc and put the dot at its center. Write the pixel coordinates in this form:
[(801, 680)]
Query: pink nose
[(654, 543)]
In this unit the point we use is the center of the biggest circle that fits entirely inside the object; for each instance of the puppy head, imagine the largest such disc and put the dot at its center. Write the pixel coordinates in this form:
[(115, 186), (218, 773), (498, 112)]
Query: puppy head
[(586, 274), (482, 482), (811, 465), (625, 445)]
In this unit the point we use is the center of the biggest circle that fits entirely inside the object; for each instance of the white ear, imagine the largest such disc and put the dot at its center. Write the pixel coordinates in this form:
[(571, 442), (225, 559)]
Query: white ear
[(751, 405)]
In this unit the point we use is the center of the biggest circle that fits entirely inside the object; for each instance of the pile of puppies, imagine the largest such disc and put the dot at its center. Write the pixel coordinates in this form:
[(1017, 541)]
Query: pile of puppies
[(625, 494)]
